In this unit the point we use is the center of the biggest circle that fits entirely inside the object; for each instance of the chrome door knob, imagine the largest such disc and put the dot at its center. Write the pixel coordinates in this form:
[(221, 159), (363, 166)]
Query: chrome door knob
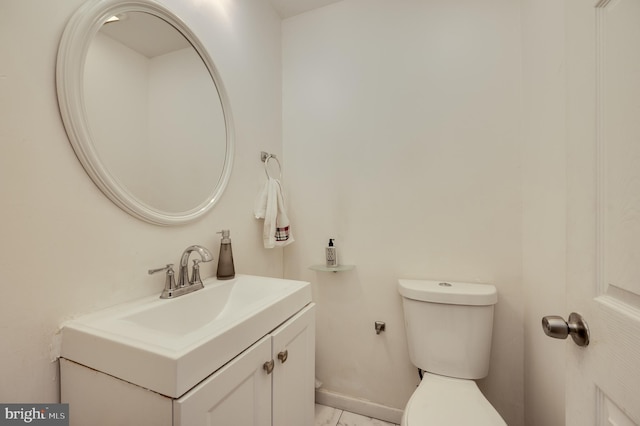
[(556, 327)]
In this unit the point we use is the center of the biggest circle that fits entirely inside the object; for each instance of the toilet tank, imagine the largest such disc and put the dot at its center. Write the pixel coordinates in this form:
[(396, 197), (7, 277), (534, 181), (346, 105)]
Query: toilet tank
[(449, 326)]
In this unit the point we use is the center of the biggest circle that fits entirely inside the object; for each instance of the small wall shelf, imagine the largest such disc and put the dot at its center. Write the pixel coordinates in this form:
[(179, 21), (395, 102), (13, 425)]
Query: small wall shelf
[(339, 268)]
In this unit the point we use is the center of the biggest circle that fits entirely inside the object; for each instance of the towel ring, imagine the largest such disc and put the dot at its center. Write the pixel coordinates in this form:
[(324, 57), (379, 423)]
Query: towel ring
[(266, 165)]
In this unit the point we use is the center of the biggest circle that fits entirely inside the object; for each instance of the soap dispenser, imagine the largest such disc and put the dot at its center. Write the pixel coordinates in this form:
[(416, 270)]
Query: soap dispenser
[(226, 271), (332, 255)]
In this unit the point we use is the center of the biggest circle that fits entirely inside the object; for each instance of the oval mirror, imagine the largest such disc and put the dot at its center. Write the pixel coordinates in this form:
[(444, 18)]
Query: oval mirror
[(145, 110)]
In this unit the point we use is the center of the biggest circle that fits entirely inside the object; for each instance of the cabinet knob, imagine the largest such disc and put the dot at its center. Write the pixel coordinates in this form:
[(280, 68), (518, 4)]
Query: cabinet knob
[(282, 356), (268, 366)]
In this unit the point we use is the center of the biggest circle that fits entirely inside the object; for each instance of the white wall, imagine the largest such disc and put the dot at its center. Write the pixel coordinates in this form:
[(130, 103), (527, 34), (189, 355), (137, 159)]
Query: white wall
[(544, 207), (65, 248), (185, 116), (116, 95), (402, 140)]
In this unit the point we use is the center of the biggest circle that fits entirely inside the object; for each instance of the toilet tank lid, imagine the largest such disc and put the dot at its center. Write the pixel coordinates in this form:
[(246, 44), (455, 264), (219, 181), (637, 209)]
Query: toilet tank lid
[(449, 292)]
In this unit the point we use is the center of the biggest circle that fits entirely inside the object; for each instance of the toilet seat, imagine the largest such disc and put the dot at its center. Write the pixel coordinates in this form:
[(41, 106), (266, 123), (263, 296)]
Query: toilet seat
[(446, 401)]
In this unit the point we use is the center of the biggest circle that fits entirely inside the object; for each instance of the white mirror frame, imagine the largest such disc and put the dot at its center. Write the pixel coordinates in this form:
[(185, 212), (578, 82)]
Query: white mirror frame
[(74, 45)]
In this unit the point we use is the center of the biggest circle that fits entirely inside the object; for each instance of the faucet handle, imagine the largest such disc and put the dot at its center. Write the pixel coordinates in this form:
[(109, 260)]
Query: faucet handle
[(167, 268), (195, 272), (169, 282)]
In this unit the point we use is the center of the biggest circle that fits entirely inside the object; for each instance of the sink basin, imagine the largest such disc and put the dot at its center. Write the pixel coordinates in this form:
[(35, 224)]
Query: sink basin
[(170, 345)]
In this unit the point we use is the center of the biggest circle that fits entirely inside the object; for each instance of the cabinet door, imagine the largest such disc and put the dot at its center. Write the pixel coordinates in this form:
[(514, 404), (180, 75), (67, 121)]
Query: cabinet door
[(98, 399), (294, 372), (238, 394)]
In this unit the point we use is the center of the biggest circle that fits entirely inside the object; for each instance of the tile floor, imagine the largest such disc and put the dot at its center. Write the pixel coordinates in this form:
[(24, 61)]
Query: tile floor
[(328, 416)]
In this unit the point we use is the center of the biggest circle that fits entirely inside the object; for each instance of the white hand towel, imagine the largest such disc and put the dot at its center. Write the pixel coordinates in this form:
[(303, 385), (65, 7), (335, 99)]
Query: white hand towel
[(270, 207)]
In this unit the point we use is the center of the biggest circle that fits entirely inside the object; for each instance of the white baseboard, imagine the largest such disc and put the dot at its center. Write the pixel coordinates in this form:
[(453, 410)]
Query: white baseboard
[(358, 406)]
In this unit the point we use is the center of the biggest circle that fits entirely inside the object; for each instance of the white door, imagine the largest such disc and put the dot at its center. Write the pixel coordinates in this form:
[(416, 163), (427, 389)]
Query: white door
[(603, 208)]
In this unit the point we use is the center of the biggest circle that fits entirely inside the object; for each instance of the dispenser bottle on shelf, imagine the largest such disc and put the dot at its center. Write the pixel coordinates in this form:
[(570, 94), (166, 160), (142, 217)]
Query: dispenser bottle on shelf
[(332, 255), (226, 270)]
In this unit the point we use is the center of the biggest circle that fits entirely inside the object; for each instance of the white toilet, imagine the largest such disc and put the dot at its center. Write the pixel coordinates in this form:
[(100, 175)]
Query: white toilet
[(449, 327)]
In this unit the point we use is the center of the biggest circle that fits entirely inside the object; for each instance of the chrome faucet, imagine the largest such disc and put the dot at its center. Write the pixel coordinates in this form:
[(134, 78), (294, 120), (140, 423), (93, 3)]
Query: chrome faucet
[(184, 284), (183, 272)]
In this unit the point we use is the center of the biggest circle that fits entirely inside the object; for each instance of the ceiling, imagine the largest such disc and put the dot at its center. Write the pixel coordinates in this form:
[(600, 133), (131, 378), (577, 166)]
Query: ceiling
[(152, 37), (289, 8), (146, 34)]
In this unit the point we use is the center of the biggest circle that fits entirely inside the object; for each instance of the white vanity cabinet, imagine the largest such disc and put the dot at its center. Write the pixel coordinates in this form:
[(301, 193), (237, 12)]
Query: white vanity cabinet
[(294, 371), (241, 393), (271, 383)]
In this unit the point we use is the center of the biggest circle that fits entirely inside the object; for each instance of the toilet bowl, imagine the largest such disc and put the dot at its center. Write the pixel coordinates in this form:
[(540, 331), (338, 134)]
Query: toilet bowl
[(441, 400), (449, 327)]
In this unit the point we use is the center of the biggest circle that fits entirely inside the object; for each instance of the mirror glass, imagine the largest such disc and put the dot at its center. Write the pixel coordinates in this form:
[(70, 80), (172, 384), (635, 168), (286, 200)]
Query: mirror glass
[(148, 116)]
